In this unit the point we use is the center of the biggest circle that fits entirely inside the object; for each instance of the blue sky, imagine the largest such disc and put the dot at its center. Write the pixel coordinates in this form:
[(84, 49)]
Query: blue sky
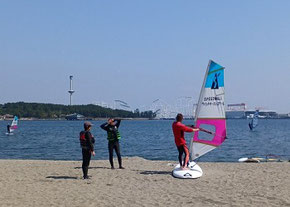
[(138, 51)]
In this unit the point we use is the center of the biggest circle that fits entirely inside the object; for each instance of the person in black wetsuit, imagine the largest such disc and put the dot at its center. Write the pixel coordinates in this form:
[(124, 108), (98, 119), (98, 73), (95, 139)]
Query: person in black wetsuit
[(8, 129), (113, 140), (87, 144)]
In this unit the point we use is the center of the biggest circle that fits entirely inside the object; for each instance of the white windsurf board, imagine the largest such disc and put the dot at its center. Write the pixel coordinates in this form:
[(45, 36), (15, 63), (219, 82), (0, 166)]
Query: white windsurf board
[(193, 171)]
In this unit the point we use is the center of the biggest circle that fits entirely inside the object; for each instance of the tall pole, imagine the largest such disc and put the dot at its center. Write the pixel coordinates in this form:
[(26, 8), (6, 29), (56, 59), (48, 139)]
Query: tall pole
[(71, 91)]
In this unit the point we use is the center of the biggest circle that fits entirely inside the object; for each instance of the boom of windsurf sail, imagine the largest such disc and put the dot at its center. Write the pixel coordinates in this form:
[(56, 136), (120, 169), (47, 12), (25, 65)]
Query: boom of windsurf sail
[(206, 131), (14, 124), (210, 112)]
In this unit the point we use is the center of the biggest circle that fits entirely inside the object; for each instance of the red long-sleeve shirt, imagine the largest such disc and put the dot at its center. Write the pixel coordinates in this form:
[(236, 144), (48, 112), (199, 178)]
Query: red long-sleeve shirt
[(178, 130)]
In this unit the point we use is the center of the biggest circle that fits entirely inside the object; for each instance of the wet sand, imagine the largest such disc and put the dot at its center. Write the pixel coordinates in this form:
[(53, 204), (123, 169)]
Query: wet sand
[(142, 183)]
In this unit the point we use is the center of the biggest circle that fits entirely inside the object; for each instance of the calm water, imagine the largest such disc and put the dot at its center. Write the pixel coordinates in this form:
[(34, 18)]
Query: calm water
[(58, 140)]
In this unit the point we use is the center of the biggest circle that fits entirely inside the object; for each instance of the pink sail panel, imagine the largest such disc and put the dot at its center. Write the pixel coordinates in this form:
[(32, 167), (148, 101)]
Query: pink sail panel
[(219, 134)]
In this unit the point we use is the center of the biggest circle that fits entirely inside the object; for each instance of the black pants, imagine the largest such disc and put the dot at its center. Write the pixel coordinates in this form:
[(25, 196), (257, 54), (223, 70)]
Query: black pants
[(183, 149), (111, 146), (86, 161)]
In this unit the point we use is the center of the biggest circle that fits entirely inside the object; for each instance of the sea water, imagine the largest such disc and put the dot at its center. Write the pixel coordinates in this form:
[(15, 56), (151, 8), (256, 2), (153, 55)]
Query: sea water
[(150, 139)]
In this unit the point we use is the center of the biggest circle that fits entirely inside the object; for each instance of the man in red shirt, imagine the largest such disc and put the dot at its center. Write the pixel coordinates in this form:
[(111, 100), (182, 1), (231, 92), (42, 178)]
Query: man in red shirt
[(178, 131)]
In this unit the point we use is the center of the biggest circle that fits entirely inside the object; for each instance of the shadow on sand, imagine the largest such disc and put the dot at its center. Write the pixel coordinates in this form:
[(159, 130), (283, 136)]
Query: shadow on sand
[(62, 177), (156, 172), (93, 168)]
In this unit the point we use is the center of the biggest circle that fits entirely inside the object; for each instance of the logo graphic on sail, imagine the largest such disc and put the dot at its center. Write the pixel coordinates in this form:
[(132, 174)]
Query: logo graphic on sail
[(215, 76), (215, 83)]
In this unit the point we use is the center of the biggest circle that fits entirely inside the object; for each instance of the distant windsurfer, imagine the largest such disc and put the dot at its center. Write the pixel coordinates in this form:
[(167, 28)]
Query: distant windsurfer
[(113, 136), (250, 126), (178, 131), (254, 121), (87, 144), (8, 129)]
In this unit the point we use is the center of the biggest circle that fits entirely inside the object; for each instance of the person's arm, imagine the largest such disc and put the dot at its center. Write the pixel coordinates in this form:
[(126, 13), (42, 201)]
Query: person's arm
[(118, 122), (188, 129), (104, 126), (191, 126), (90, 141)]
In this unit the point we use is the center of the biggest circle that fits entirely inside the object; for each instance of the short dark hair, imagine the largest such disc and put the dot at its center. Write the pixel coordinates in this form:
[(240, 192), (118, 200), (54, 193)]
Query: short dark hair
[(179, 117), (87, 125)]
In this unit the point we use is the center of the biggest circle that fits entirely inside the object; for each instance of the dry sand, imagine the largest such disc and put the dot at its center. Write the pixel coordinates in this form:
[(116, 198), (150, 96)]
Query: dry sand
[(142, 183)]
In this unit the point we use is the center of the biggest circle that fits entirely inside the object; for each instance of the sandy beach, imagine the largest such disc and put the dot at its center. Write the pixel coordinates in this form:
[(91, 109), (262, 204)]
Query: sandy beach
[(142, 183)]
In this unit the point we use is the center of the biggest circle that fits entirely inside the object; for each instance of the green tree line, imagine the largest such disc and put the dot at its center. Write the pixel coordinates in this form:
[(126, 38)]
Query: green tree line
[(51, 111)]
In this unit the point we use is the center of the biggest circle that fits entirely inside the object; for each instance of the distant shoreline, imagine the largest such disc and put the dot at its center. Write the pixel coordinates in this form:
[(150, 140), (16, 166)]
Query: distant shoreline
[(133, 119), (93, 119)]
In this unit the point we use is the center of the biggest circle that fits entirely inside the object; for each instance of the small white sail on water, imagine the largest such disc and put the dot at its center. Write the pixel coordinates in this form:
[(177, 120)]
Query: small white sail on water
[(254, 121), (13, 126)]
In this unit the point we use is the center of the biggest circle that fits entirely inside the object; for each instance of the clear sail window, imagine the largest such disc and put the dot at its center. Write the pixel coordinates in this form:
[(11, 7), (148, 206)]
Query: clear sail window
[(208, 133)]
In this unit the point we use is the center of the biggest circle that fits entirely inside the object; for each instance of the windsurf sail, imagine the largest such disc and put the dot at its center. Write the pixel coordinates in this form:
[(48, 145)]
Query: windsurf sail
[(210, 113), (254, 121), (14, 124)]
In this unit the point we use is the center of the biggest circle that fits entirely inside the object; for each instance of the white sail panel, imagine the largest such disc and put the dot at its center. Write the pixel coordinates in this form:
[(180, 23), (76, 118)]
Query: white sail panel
[(201, 149), (213, 104)]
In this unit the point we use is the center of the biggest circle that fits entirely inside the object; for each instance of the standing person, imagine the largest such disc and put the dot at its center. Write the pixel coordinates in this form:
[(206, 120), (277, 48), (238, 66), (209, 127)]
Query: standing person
[(178, 131), (113, 136), (87, 144), (8, 129)]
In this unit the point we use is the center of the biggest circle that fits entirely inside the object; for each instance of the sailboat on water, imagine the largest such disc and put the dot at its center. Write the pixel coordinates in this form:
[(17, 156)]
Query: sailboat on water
[(14, 125), (209, 118), (254, 121)]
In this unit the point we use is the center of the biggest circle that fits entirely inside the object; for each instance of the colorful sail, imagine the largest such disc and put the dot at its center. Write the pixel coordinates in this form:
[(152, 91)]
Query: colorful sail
[(254, 121), (210, 113), (14, 124)]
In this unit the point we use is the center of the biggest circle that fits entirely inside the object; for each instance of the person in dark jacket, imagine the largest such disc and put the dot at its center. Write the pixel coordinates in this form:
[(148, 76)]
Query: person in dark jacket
[(87, 144), (113, 136), (8, 129)]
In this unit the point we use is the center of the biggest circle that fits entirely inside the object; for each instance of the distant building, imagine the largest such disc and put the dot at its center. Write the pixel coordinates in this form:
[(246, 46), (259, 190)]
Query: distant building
[(236, 111), (74, 116), (235, 114), (263, 113), (8, 116), (240, 111), (284, 116), (237, 107)]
